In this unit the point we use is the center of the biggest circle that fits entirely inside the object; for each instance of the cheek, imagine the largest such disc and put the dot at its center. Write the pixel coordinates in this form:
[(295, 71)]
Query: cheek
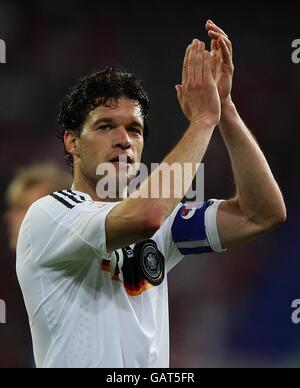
[(139, 148), (94, 148)]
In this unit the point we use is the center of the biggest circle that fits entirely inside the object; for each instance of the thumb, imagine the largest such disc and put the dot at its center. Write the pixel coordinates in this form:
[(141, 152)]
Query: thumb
[(179, 91)]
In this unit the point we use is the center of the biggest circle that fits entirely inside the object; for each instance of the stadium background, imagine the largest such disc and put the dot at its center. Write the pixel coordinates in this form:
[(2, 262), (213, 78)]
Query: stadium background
[(228, 310)]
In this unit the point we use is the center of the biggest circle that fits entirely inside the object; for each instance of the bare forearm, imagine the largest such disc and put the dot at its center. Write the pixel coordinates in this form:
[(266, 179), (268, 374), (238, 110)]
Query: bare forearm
[(137, 219), (257, 191), (200, 103), (191, 149)]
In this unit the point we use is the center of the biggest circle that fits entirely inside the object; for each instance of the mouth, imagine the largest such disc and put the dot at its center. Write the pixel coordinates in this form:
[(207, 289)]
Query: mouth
[(122, 160)]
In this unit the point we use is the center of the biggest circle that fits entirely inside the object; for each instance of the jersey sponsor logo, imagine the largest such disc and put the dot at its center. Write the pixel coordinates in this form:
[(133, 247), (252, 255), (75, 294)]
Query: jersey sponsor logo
[(130, 252)]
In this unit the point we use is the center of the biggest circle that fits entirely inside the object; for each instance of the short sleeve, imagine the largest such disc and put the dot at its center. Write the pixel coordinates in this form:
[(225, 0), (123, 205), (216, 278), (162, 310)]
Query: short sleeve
[(60, 234)]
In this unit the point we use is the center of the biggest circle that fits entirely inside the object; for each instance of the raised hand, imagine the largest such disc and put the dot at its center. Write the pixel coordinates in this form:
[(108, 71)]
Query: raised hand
[(222, 54), (198, 94)]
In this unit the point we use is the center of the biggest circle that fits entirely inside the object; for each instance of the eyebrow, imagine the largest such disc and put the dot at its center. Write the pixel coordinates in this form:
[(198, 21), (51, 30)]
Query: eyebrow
[(109, 120)]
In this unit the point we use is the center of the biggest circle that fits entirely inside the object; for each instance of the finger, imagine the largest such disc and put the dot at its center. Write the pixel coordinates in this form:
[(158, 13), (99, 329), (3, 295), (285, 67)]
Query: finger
[(199, 62), (191, 62), (212, 26), (216, 36), (179, 93), (207, 68), (214, 61), (179, 89), (214, 42), (214, 45), (185, 65), (226, 54)]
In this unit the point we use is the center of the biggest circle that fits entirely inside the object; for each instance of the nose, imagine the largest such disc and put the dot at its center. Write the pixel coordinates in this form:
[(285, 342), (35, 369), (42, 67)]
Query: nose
[(122, 138)]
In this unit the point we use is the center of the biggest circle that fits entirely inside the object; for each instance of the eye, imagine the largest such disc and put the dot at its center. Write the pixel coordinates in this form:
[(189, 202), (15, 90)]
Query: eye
[(135, 130), (105, 127)]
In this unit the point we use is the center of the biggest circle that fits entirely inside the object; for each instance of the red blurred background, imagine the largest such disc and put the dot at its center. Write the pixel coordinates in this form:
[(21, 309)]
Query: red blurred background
[(227, 310)]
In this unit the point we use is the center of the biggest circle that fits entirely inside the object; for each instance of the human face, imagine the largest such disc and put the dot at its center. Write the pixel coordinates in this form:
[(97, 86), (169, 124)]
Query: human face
[(109, 132)]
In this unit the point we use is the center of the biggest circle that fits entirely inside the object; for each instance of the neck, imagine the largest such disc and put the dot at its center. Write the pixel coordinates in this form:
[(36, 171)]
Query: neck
[(85, 185)]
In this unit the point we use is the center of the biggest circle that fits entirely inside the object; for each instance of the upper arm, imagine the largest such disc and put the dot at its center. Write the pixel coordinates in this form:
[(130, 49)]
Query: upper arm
[(234, 227), (191, 230)]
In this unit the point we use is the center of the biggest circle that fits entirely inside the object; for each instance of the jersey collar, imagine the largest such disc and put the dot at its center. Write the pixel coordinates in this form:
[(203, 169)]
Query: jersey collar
[(81, 194)]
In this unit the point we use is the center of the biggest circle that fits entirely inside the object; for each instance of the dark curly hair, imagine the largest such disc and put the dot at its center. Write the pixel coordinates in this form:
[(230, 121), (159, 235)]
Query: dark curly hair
[(94, 90)]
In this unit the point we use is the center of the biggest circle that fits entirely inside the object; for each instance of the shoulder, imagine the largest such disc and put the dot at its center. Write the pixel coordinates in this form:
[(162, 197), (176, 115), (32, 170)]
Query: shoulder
[(52, 209), (68, 207), (59, 202), (64, 199)]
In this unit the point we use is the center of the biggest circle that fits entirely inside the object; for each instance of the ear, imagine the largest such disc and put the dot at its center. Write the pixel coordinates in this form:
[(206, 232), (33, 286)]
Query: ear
[(72, 143)]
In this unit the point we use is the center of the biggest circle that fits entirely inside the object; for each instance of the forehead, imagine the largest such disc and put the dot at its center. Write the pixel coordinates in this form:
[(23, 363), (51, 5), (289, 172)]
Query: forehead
[(122, 109)]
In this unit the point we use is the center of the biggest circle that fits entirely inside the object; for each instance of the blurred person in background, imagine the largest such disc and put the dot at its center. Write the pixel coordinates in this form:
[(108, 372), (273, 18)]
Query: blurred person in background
[(29, 185)]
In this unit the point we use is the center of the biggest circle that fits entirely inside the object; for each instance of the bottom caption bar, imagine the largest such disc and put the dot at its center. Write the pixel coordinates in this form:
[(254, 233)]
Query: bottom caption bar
[(140, 377)]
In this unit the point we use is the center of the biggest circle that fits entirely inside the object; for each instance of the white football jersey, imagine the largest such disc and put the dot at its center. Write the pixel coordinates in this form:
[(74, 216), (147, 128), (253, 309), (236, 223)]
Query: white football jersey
[(89, 308)]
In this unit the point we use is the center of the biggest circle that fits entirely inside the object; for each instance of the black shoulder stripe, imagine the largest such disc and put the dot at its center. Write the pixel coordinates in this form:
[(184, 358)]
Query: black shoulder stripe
[(80, 196), (62, 201), (71, 197)]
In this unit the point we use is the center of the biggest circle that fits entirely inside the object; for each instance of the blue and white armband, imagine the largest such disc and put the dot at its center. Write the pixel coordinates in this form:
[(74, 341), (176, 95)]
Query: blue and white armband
[(194, 229)]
